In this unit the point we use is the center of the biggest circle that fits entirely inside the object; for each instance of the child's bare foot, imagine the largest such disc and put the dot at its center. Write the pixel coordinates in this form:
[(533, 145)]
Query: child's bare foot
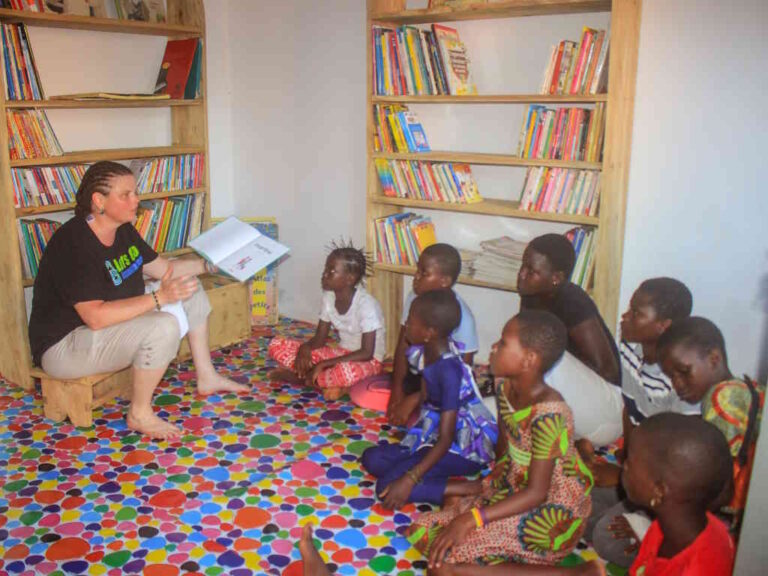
[(333, 393), (283, 375), (214, 383), (151, 425), (313, 563)]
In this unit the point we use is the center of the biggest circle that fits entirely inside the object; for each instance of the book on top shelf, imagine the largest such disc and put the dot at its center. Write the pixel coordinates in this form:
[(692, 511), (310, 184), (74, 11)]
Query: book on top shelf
[(454, 60), (578, 68), (237, 248), (179, 75), (22, 81)]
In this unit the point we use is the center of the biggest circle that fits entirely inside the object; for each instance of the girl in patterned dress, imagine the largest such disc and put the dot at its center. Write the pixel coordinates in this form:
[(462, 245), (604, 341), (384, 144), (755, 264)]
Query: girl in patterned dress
[(531, 509), (455, 433)]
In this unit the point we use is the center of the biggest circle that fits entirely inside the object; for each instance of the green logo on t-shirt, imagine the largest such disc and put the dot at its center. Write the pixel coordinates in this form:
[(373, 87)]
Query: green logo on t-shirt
[(122, 267)]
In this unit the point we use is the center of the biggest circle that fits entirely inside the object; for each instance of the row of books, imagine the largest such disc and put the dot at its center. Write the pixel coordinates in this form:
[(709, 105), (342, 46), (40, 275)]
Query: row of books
[(397, 129), (401, 238), (409, 60), (561, 191), (22, 81), (34, 236), (30, 135), (142, 10), (578, 68), (434, 181), (168, 173), (168, 224), (46, 185), (562, 133), (584, 241)]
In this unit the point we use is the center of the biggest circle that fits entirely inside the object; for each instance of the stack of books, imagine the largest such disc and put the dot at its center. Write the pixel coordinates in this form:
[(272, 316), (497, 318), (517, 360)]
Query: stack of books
[(21, 79), (401, 238), (434, 181), (169, 223), (168, 173), (397, 129), (561, 191), (499, 261), (584, 241), (578, 68), (33, 238), (408, 60), (31, 135), (46, 185), (562, 134)]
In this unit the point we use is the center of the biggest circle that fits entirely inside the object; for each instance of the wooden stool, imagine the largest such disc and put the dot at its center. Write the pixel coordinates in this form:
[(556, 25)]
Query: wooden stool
[(76, 398)]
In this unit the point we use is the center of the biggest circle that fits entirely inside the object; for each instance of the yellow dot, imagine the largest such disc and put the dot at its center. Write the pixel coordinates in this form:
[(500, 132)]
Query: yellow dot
[(156, 556), (197, 553), (70, 515), (97, 569)]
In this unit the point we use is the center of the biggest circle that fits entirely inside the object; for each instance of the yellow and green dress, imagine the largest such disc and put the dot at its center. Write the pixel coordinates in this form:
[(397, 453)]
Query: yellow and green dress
[(542, 535)]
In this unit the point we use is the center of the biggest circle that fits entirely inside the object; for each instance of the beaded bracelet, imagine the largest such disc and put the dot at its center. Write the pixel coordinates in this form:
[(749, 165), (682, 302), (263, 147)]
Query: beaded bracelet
[(476, 514), (157, 302)]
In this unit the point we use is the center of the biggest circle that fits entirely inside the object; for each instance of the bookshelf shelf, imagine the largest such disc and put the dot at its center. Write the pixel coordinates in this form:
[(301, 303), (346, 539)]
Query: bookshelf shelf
[(132, 103), (31, 210), (188, 135), (509, 9), (468, 280), (486, 159), (494, 99), (387, 285), (49, 20), (489, 207), (88, 156)]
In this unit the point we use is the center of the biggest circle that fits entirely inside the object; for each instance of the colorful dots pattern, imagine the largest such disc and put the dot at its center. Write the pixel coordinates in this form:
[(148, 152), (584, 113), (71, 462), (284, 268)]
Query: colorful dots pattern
[(229, 498)]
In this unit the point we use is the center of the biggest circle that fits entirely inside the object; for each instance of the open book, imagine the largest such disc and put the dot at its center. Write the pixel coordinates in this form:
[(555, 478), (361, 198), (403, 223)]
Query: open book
[(237, 248)]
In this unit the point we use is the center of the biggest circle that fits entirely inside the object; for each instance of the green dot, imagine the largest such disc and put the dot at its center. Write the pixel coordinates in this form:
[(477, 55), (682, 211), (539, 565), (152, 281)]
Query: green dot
[(179, 478), (126, 514), (101, 509), (251, 406), (184, 452), (132, 439), (264, 441), (214, 571), (358, 447), (301, 446), (117, 559), (382, 564), (252, 500), (345, 511), (31, 541), (189, 438), (196, 404), (167, 400), (267, 538), (31, 454), (304, 492), (29, 518), (236, 492), (15, 486), (304, 510)]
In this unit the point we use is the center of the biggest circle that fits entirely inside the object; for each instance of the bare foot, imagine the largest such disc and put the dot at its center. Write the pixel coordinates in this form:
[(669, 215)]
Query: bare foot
[(152, 426), (313, 563), (333, 393), (283, 375), (211, 384)]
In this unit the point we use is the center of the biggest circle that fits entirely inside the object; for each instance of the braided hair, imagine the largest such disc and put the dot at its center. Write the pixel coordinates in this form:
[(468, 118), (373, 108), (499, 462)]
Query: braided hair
[(98, 178), (356, 261)]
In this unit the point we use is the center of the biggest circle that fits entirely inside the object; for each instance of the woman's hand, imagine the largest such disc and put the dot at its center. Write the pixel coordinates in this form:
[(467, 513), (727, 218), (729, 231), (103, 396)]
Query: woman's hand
[(396, 494), (175, 289), (455, 533)]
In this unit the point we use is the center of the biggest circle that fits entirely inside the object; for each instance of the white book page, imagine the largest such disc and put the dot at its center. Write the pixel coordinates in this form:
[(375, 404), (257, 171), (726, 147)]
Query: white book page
[(221, 241), (251, 258)]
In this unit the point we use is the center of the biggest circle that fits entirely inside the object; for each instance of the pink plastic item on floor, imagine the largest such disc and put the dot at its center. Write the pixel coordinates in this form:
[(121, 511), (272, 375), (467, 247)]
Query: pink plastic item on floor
[(372, 392)]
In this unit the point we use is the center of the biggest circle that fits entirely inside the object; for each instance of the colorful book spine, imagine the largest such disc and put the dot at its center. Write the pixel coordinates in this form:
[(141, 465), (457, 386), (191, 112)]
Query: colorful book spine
[(584, 241), (34, 236), (578, 68), (433, 181), (30, 135), (169, 223), (22, 81), (47, 185), (169, 173), (401, 238), (562, 134), (397, 129), (561, 191)]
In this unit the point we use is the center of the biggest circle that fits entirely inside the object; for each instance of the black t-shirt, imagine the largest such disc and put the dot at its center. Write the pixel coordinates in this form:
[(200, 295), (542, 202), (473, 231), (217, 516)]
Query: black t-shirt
[(573, 306), (77, 267)]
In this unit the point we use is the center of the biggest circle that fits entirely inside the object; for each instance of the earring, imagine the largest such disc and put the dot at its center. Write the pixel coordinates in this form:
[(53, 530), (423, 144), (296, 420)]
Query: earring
[(101, 210), (654, 502)]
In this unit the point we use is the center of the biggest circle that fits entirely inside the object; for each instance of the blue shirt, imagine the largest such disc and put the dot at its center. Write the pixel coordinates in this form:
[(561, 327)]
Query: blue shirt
[(466, 333)]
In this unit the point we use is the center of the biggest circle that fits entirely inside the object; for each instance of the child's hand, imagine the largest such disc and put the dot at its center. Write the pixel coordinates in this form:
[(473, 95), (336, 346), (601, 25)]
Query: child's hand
[(303, 361), (455, 533), (621, 530), (314, 373), (396, 494)]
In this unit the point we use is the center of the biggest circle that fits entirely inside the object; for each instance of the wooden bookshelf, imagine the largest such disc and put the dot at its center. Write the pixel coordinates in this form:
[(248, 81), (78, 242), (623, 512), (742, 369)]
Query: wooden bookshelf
[(189, 135), (468, 280), (386, 285)]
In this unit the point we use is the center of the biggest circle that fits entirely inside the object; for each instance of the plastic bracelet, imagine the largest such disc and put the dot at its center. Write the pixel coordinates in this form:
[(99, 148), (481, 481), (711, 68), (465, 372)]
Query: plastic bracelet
[(478, 518), (482, 515), (412, 475), (157, 302)]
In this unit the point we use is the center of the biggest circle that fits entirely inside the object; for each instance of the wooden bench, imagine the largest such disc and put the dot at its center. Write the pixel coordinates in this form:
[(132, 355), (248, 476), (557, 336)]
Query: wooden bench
[(77, 398)]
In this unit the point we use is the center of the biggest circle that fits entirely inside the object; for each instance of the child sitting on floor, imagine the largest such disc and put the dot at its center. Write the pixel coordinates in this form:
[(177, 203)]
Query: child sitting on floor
[(357, 317), (455, 434), (646, 391), (438, 267), (532, 507)]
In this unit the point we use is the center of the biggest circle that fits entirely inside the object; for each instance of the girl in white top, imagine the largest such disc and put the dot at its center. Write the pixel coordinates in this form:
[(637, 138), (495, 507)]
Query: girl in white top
[(357, 317)]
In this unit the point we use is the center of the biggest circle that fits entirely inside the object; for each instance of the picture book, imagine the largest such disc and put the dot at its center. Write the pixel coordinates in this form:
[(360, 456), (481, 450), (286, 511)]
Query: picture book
[(175, 70), (237, 248), (454, 60)]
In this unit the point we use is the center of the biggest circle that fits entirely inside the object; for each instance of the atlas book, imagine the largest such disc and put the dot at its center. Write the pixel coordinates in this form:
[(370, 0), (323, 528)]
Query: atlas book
[(237, 248)]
